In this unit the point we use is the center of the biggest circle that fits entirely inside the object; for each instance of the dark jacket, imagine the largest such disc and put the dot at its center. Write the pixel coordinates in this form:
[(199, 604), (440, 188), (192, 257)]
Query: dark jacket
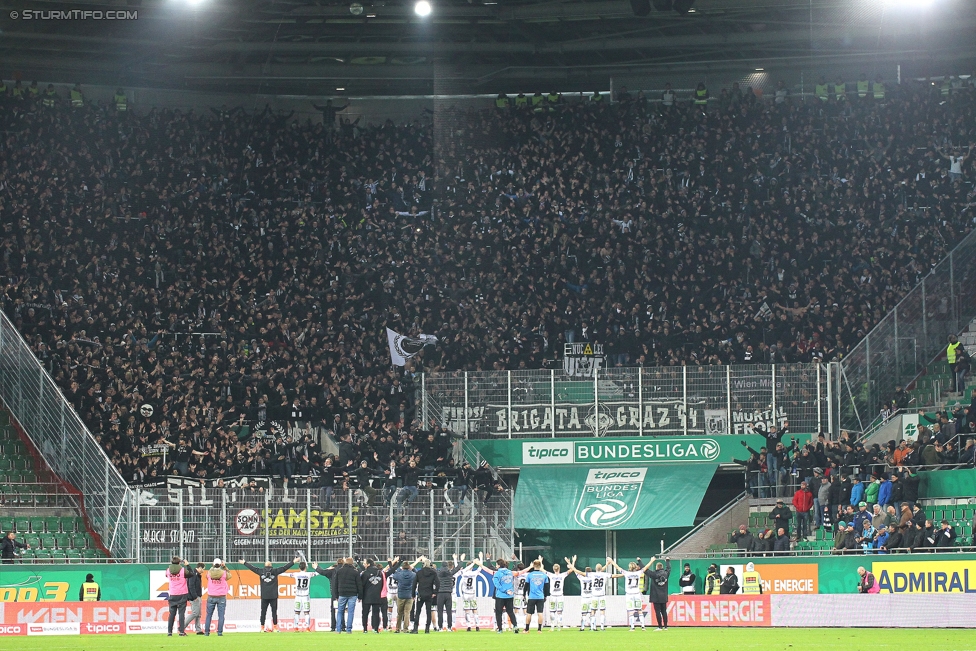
[(9, 548), (744, 541), (730, 584), (657, 583), (782, 544), (373, 581), (330, 574), (782, 516), (427, 581), (269, 578), (348, 582), (445, 579), (194, 585)]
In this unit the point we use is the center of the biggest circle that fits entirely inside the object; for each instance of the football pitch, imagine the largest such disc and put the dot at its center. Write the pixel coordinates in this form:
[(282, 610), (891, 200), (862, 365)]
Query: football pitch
[(686, 639)]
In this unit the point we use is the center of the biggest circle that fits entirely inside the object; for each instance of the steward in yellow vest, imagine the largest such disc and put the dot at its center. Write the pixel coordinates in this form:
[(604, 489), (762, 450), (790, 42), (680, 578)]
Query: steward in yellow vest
[(751, 581), (89, 590)]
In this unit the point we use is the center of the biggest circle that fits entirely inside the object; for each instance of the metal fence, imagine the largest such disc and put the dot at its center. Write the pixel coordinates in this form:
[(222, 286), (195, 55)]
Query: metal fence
[(242, 523), (630, 401), (69, 448), (909, 337)]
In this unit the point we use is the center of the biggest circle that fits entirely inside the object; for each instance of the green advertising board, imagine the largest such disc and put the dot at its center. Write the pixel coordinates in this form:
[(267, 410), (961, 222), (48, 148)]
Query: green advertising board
[(119, 582), (709, 450), (610, 496)]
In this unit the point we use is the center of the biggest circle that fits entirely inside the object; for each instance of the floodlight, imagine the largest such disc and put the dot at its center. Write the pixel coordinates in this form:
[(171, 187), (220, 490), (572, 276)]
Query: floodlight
[(422, 8)]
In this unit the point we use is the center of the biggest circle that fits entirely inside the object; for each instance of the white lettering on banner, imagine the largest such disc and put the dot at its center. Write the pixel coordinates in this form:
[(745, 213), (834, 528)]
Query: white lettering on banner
[(13, 629), (744, 422), (785, 586), (720, 611), (615, 418), (102, 629)]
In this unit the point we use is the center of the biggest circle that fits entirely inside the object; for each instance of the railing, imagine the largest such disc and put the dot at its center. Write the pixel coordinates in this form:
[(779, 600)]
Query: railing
[(232, 523), (722, 512), (737, 553), (909, 337), (61, 437), (631, 401)]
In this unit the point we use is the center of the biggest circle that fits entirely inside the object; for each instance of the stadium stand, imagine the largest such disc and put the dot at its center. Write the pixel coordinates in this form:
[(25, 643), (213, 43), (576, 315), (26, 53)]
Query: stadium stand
[(236, 267), (37, 508)]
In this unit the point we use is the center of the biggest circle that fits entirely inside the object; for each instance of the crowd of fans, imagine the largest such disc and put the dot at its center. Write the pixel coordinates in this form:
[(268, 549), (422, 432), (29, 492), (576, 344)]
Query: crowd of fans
[(234, 266)]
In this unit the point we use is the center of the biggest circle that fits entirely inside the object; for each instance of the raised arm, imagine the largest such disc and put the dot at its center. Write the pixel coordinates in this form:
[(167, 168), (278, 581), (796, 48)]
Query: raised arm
[(649, 564)]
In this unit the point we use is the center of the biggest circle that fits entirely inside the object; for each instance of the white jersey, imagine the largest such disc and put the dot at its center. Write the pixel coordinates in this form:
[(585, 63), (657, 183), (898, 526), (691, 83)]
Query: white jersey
[(557, 583), (303, 581), (632, 581), (391, 587), (469, 582), (600, 580), (586, 585), (520, 585)]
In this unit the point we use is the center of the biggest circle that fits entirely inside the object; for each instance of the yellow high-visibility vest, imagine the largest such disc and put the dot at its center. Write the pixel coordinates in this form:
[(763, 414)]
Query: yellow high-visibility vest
[(951, 352), (862, 89), (701, 96), (120, 102), (77, 99), (89, 591), (879, 90), (751, 583), (821, 92)]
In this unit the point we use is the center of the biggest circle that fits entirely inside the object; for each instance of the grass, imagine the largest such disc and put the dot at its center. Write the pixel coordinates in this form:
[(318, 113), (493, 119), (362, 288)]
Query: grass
[(686, 639)]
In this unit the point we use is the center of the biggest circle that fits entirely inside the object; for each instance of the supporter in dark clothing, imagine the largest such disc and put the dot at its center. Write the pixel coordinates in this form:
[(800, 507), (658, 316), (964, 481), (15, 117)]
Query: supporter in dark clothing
[(782, 542), (374, 580), (445, 593), (269, 588), (744, 540), (730, 582), (426, 587), (10, 546), (781, 516), (657, 588)]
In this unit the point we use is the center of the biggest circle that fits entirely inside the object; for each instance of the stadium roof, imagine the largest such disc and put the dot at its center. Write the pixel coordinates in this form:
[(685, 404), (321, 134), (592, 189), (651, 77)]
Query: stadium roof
[(313, 47)]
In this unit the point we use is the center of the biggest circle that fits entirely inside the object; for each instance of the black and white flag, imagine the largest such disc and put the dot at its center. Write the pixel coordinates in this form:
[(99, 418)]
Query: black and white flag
[(403, 347)]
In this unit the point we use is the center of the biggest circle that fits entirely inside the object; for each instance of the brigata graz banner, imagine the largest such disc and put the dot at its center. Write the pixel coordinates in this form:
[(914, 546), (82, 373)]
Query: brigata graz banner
[(612, 418)]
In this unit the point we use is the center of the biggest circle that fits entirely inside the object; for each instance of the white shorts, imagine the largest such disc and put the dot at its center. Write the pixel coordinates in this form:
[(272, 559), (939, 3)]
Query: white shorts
[(302, 605), (470, 603), (519, 603), (634, 602), (598, 603), (556, 604), (585, 604)]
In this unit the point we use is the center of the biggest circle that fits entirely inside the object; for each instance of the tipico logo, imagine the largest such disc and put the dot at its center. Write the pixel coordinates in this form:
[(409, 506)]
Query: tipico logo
[(609, 497), (536, 453)]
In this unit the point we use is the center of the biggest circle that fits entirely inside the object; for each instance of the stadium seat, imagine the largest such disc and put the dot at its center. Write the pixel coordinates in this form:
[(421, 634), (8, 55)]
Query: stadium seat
[(33, 540), (52, 524), (63, 540), (79, 541), (42, 555), (37, 525), (73, 556), (22, 525), (48, 541), (6, 524)]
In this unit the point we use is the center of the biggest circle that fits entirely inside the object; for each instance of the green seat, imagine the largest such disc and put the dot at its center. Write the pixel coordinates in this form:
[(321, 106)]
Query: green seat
[(48, 541), (20, 463), (22, 525), (52, 524), (6, 463), (79, 541), (72, 524), (72, 556), (37, 525), (91, 553), (6, 524), (63, 540), (33, 540), (58, 556), (42, 554)]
